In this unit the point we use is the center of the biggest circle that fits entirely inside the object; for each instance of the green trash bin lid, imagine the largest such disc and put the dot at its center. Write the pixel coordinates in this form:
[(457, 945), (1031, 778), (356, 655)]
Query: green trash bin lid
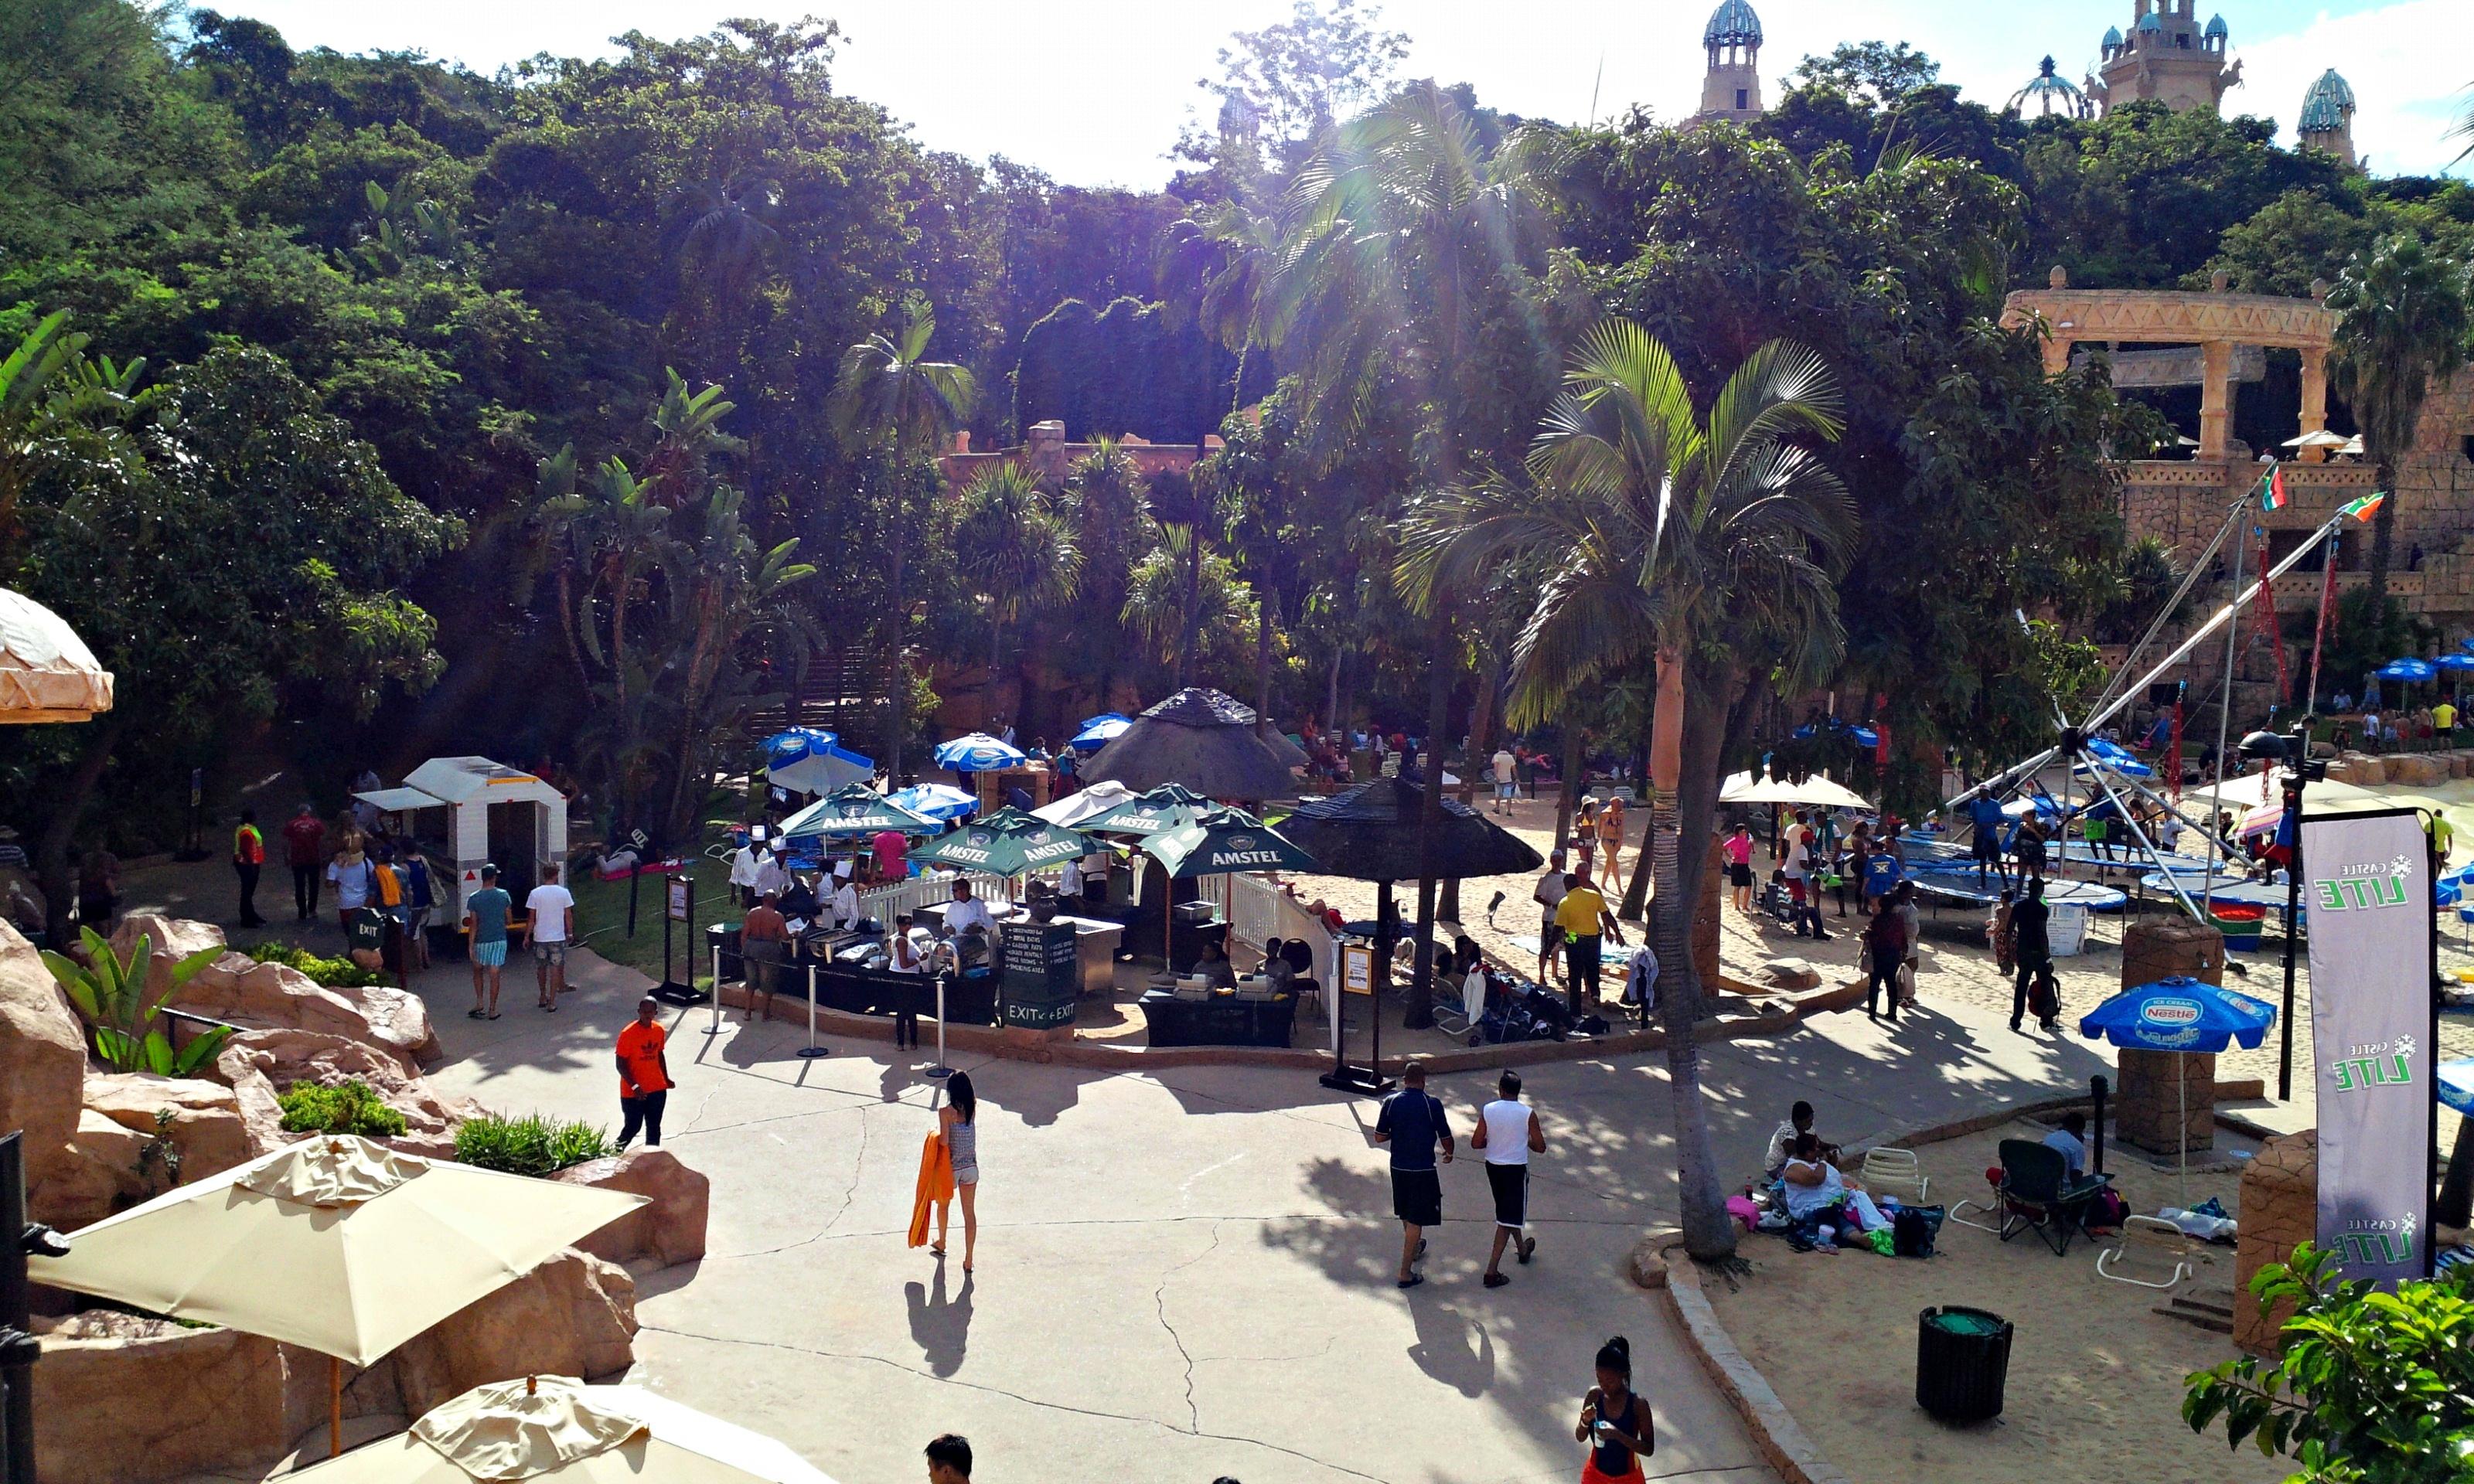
[(1965, 1321)]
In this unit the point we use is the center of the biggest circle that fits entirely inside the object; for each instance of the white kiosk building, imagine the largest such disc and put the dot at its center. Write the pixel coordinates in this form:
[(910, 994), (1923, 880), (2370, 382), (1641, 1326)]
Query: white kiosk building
[(494, 813)]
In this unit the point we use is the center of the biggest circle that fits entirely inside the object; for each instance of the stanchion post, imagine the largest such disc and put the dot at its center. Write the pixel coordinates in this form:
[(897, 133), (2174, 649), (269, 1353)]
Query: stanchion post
[(714, 1027), (812, 1049), (942, 1070)]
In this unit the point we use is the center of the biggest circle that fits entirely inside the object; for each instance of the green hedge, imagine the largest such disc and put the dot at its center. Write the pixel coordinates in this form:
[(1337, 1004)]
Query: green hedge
[(325, 970), (352, 1108), (530, 1145)]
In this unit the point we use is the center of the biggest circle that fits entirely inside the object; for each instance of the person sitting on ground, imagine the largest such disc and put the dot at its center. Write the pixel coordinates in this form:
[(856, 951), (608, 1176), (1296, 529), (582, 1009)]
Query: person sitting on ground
[(1799, 1122), (2072, 1141), (1813, 1185)]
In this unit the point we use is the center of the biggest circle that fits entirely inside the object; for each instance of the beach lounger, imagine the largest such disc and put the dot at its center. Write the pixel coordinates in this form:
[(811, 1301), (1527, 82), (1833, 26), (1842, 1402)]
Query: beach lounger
[(1894, 1172), (2148, 1242)]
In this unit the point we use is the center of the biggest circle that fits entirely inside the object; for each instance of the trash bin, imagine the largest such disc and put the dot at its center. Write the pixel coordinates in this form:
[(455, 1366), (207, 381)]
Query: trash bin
[(1962, 1359), (723, 936)]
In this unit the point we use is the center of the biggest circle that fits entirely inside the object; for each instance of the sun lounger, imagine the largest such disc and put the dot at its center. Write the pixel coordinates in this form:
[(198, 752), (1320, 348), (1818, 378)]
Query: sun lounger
[(2149, 1243), (1894, 1172)]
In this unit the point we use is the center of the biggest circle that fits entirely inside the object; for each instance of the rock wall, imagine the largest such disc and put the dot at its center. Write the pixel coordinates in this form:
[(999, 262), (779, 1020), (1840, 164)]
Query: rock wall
[(669, 1231), (272, 996), (42, 1059), (259, 1065), (2167, 1096), (2280, 1212), (122, 1401)]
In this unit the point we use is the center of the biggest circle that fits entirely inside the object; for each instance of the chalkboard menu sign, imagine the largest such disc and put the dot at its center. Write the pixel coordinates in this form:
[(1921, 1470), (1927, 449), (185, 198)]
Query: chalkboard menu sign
[(1040, 975)]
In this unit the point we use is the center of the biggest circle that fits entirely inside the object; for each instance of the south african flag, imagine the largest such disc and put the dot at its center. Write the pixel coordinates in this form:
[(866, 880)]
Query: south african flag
[(2364, 508), (2271, 488)]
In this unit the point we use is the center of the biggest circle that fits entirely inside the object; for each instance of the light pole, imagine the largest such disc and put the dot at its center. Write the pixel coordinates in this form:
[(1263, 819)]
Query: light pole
[(2299, 768)]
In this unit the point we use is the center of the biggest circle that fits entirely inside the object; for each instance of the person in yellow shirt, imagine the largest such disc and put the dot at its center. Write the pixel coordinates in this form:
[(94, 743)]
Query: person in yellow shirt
[(1582, 918), (2443, 721)]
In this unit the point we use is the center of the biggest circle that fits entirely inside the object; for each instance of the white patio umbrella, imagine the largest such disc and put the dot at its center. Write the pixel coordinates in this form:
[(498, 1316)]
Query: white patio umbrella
[(338, 1245), (1085, 803), (557, 1429), (1744, 788), (47, 674)]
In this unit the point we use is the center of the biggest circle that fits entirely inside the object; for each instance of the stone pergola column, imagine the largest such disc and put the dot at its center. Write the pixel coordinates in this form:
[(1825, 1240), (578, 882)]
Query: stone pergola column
[(2216, 397), (2315, 402)]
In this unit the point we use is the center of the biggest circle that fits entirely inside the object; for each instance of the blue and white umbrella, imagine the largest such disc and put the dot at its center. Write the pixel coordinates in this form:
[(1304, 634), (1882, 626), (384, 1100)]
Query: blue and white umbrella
[(2180, 1015), (807, 760), (1102, 730), (2457, 1085), (2407, 669), (936, 801), (978, 752), (2454, 663)]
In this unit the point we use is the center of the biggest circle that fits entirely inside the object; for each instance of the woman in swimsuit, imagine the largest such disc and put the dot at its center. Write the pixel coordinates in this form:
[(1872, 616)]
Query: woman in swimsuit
[(1614, 1423), (958, 1124)]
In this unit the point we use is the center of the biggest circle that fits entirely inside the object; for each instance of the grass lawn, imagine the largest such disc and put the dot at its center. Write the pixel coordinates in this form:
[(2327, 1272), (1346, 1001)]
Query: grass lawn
[(601, 920)]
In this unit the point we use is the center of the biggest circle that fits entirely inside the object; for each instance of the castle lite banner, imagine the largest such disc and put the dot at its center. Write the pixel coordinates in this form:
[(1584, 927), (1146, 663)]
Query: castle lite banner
[(2366, 887)]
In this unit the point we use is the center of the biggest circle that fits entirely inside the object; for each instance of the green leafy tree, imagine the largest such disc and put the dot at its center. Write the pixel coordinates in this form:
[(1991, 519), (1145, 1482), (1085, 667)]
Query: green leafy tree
[(2402, 321), (1875, 71), (2368, 1387), (1708, 545), (112, 994), (887, 391), (1013, 544)]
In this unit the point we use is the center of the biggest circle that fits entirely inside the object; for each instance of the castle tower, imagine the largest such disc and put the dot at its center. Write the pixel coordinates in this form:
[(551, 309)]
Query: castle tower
[(2327, 120), (1732, 89), (2167, 58)]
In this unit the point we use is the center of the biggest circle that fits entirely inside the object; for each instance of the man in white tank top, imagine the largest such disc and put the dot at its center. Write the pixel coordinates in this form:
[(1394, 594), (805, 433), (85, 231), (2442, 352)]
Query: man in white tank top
[(1507, 1132)]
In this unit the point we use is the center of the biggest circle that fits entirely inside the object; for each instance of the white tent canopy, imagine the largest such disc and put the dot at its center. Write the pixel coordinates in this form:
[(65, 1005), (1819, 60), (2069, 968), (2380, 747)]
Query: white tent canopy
[(1744, 788), (46, 672), (1085, 803), (470, 787)]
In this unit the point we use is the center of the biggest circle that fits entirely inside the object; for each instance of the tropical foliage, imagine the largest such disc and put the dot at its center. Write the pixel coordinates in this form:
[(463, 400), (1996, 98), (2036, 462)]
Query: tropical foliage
[(534, 1144), (122, 1011), (349, 1107)]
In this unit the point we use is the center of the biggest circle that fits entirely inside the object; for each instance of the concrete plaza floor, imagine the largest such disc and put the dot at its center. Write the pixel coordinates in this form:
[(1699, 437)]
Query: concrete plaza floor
[(1187, 1274)]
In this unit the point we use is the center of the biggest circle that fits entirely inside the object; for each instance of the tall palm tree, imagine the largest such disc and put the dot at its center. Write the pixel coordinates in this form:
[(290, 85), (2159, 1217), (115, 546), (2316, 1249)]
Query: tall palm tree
[(1219, 270), (2401, 326), (1394, 221), (887, 391), (1703, 545), (1011, 541)]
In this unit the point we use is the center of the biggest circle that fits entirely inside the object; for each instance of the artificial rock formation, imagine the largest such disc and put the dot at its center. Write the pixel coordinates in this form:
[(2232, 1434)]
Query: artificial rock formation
[(271, 996), (42, 1062), (258, 1065), (206, 1129), (2280, 1212), (573, 1315), (668, 1231), (1791, 973), (124, 1400), (2153, 1113)]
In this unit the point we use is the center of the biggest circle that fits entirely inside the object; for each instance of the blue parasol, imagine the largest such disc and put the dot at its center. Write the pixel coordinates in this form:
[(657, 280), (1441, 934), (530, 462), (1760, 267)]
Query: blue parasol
[(2179, 1014), (1102, 730), (978, 752), (807, 760), (2408, 668), (2455, 662), (936, 801), (2457, 1085)]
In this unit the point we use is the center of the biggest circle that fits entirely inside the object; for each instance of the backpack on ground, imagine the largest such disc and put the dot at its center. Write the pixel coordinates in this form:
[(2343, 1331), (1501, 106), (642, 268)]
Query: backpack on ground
[(1912, 1233)]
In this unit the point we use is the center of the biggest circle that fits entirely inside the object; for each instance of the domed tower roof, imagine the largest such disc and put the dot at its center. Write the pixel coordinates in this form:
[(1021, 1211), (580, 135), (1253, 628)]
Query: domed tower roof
[(2048, 96), (2216, 27), (2112, 35), (2326, 104), (2150, 22), (1733, 24)]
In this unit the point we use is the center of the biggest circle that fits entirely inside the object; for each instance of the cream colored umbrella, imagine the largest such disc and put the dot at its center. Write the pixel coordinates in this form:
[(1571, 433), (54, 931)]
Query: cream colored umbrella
[(561, 1431), (337, 1245), (1815, 790), (46, 672)]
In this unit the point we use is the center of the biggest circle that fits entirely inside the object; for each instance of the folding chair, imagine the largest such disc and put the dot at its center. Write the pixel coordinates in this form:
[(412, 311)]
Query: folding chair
[(2034, 1192), (1894, 1172), (2149, 1238)]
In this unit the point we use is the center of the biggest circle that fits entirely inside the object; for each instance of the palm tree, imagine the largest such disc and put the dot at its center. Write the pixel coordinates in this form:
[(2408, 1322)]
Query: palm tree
[(1113, 526), (1394, 222), (1705, 546), (1219, 271), (1011, 541), (2401, 326), (889, 391)]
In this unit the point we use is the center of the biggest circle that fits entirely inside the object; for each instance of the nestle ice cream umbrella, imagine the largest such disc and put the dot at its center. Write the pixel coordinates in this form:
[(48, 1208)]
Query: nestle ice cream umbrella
[(1099, 731), (2180, 1015), (978, 752), (2456, 1080), (557, 1429), (940, 801), (1220, 841), (2454, 664)]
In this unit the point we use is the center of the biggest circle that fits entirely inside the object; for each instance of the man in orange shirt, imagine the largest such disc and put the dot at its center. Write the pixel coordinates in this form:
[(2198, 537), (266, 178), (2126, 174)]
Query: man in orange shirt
[(643, 1075)]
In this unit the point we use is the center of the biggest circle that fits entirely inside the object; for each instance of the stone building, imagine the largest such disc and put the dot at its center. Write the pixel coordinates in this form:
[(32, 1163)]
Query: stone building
[(2326, 123), (2219, 341), (1732, 88), (1051, 458), (2167, 58)]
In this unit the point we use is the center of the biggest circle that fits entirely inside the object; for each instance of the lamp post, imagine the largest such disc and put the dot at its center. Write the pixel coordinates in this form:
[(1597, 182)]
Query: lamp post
[(2296, 754)]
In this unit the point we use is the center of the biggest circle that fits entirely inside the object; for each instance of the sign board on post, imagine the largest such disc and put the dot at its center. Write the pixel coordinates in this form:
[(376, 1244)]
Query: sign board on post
[(1040, 973), (2367, 887), (678, 903)]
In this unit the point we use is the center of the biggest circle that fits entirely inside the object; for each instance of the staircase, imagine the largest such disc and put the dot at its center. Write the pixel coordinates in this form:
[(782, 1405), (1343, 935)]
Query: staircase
[(2206, 1308), (843, 691)]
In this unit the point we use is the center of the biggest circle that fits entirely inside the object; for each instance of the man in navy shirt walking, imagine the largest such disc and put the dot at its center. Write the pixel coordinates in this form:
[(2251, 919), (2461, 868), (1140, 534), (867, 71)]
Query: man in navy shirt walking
[(1412, 1123)]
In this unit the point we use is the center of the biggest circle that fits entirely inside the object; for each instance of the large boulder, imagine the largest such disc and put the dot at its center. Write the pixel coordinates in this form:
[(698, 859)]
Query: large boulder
[(206, 1127), (124, 1400), (573, 1315), (271, 996), (668, 1231), (2417, 770), (100, 1172), (258, 1065), (42, 1061), (1791, 973)]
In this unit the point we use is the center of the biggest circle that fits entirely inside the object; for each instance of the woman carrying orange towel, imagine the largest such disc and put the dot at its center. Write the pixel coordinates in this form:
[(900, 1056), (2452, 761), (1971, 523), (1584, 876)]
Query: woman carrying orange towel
[(935, 1186), (958, 1124)]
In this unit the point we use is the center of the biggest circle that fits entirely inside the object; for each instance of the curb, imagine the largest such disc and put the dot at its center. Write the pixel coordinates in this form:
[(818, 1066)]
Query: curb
[(1780, 1438)]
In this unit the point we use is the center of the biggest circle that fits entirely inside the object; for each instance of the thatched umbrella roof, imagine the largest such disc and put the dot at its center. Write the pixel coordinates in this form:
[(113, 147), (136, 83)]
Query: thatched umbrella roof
[(1201, 738), (1369, 833)]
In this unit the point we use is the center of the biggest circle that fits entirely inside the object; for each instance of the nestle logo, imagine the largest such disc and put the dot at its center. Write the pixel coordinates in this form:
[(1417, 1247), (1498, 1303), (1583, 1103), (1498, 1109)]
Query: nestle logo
[(2171, 1011)]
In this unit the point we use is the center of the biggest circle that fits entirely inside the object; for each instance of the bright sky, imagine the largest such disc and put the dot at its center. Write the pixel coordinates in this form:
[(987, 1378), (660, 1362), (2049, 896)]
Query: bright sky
[(1093, 92)]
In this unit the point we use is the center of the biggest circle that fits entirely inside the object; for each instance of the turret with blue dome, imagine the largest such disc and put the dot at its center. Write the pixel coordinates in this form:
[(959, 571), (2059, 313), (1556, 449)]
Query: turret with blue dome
[(1733, 89), (2048, 96), (2167, 58), (1733, 24), (2327, 120)]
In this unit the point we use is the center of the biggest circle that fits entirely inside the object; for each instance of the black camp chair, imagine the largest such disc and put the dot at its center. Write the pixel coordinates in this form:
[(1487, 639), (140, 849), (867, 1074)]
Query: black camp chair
[(2037, 1194)]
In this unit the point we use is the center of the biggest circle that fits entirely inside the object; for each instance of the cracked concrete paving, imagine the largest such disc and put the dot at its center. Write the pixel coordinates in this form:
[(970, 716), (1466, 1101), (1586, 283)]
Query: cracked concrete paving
[(1187, 1274)]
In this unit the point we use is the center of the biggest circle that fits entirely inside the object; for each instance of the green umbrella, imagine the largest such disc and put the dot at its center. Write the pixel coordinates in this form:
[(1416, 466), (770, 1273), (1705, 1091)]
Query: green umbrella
[(1008, 843), (1216, 841), (855, 810), (1164, 807)]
